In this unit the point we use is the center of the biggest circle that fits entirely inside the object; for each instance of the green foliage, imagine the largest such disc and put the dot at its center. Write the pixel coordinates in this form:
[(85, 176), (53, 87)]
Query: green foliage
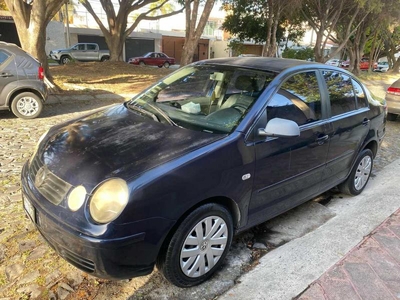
[(303, 53), (3, 5), (247, 20), (236, 46)]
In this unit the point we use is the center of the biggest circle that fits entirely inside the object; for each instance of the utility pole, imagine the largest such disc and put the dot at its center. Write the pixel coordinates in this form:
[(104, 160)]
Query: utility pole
[(67, 17)]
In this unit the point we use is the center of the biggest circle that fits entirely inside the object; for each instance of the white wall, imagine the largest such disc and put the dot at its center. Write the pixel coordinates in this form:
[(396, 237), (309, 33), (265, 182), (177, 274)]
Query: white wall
[(55, 36)]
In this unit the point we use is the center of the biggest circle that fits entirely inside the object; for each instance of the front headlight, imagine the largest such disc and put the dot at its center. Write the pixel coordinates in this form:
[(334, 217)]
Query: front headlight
[(109, 200)]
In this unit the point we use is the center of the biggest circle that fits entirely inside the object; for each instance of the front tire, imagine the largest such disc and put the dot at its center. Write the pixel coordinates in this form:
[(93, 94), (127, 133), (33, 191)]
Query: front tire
[(198, 246), (166, 65), (26, 105), (141, 63), (65, 59), (359, 175)]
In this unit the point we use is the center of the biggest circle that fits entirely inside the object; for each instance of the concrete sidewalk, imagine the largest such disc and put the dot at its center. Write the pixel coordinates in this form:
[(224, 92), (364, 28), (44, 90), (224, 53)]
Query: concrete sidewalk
[(341, 259), (370, 271)]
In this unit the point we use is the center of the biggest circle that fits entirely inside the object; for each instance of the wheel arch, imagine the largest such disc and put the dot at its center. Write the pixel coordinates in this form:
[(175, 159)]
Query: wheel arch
[(14, 93), (226, 202), (373, 146)]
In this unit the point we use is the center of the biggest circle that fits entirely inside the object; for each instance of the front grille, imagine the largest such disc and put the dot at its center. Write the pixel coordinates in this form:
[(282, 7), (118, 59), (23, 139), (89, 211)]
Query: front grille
[(53, 188)]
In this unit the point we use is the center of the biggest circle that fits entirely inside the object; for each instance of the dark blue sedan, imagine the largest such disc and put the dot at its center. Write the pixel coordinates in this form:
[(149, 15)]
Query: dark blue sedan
[(213, 149)]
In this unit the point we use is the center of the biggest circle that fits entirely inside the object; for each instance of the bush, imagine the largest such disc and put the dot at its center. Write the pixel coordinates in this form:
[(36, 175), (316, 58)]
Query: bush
[(303, 53)]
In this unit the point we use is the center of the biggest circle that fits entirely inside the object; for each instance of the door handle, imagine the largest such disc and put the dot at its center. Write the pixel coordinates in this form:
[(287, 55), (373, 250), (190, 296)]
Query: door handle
[(321, 140), (365, 122)]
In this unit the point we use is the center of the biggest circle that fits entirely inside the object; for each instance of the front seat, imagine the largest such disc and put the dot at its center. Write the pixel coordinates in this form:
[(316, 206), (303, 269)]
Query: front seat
[(240, 101)]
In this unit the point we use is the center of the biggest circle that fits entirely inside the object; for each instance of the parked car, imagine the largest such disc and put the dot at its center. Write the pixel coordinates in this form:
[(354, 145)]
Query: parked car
[(22, 89), (211, 150), (393, 100), (345, 64), (333, 62), (382, 66), (364, 64), (80, 52), (153, 59)]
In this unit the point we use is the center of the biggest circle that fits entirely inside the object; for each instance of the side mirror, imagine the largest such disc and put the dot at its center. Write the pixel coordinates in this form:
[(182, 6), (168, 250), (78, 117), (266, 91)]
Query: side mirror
[(278, 127)]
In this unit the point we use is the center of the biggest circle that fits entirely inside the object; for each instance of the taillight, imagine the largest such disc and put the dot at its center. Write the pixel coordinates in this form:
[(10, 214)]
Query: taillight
[(41, 73), (393, 91)]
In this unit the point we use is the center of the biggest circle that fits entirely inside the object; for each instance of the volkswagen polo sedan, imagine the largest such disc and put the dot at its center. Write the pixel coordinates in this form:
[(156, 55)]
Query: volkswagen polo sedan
[(211, 150)]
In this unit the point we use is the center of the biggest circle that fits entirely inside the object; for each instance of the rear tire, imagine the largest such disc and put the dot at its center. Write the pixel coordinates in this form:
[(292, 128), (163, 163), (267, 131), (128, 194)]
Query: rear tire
[(359, 175), (105, 58), (26, 105), (391, 117), (198, 246)]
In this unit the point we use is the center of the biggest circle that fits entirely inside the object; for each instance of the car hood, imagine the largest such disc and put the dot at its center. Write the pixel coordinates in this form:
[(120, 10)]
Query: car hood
[(115, 142)]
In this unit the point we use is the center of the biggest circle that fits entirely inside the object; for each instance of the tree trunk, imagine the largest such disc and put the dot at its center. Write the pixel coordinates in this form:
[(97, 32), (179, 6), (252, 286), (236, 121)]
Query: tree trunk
[(115, 43), (31, 21), (194, 33)]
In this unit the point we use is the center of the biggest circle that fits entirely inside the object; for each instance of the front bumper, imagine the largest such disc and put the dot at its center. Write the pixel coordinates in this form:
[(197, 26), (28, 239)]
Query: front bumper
[(110, 258), (55, 56)]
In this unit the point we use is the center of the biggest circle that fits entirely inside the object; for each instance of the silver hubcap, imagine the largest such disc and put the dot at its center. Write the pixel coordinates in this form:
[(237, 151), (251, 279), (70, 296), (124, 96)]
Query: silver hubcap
[(204, 246), (363, 172), (27, 106)]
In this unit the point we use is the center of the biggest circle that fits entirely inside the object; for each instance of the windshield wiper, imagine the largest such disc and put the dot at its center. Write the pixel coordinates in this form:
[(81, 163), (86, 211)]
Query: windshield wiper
[(163, 113), (143, 111)]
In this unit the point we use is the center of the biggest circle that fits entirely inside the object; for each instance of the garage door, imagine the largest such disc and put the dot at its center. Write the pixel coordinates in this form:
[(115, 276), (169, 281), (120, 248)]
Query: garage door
[(93, 39), (138, 47), (8, 33)]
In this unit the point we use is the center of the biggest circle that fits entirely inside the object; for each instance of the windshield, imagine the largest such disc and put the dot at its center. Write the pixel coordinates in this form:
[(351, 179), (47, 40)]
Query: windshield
[(203, 97)]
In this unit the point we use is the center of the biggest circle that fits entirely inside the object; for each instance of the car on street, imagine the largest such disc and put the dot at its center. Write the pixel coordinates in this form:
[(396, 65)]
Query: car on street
[(80, 52), (213, 149), (22, 87), (393, 100), (364, 64), (382, 66), (333, 62), (153, 59)]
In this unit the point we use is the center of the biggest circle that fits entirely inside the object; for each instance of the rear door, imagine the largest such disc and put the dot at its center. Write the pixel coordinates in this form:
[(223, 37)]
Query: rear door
[(289, 169), (348, 110), (8, 73), (92, 52)]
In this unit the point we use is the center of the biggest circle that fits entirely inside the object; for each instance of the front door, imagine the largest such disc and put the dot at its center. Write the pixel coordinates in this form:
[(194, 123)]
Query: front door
[(289, 170)]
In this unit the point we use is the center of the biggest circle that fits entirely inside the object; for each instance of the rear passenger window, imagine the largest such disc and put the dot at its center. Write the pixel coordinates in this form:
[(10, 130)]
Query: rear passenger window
[(91, 47), (360, 95), (3, 56), (341, 93), (298, 100)]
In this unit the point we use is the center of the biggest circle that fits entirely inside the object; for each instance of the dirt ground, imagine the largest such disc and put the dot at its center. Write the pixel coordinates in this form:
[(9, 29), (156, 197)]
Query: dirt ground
[(114, 77)]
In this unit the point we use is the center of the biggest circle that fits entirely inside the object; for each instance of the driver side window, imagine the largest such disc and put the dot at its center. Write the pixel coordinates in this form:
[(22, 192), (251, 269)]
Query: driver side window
[(298, 99)]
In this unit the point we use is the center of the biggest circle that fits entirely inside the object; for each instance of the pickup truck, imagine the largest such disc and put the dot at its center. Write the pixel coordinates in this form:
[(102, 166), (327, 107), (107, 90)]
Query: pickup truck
[(80, 52)]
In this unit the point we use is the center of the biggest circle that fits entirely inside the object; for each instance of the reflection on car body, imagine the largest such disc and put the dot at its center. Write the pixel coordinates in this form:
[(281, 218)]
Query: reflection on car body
[(211, 150)]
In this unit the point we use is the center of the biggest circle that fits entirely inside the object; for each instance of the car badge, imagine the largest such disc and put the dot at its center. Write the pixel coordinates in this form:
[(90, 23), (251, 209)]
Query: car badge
[(40, 176)]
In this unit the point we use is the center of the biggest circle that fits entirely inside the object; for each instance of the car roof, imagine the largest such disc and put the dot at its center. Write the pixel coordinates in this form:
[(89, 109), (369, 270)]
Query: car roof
[(261, 63)]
